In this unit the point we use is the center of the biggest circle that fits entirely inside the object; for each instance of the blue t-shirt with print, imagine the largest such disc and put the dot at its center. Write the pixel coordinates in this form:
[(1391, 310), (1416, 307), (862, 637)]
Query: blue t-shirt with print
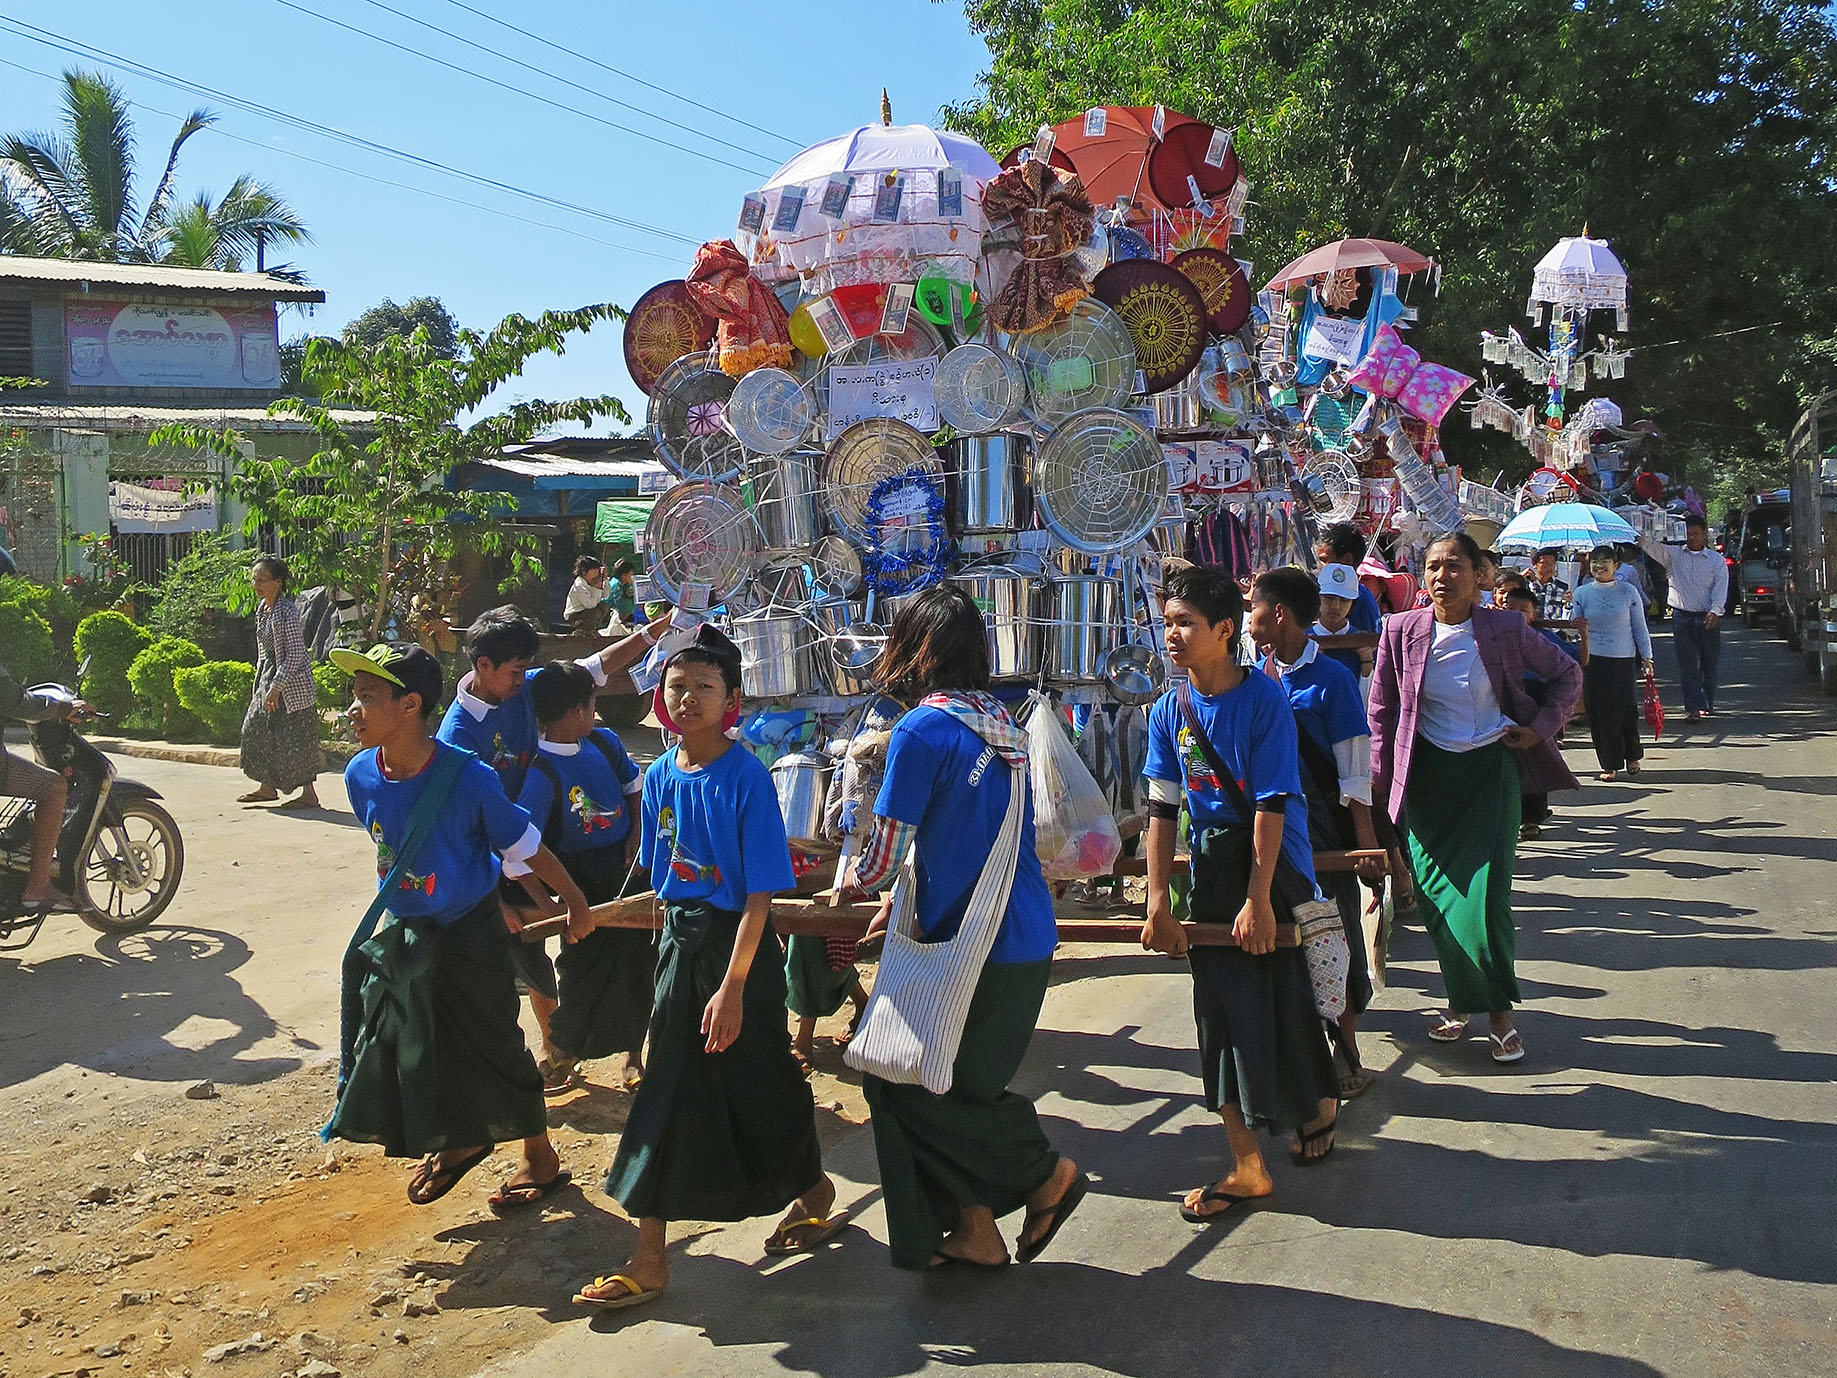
[(504, 738), (457, 865), (951, 785), (594, 811), (1253, 730), (714, 833), (1325, 697)]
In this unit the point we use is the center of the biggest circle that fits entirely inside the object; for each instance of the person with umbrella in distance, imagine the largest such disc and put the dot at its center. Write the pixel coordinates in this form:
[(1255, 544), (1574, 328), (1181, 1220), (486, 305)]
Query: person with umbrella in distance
[(1699, 582)]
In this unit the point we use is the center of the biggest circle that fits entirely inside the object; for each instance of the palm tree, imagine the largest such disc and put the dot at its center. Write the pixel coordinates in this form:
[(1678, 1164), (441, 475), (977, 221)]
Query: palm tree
[(71, 195)]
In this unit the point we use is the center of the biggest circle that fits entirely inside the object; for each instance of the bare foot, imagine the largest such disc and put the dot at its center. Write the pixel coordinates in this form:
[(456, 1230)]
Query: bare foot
[(976, 1239), (1045, 1197), (1607, 775)]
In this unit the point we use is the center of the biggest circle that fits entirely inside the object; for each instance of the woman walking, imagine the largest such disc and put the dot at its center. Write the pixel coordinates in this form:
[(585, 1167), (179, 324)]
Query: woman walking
[(1454, 735), (280, 732), (952, 1164), (1619, 646)]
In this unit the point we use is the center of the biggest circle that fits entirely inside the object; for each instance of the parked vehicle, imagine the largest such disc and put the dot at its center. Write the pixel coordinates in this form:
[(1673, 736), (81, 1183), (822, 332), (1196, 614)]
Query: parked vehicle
[(1759, 548), (1811, 607), (119, 854)]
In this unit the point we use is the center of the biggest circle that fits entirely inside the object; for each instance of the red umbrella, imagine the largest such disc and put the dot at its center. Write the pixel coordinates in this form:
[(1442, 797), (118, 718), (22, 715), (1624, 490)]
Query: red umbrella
[(1179, 164), (1350, 253), (1115, 163)]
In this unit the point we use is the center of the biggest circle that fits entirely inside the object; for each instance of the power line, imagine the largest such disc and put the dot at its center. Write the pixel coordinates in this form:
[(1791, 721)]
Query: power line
[(46, 38), (548, 75), (618, 72), (412, 51), (381, 181)]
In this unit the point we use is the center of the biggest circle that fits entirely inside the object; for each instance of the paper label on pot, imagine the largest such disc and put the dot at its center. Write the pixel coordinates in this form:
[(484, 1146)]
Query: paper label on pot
[(1095, 121), (899, 302), (752, 212), (950, 194), (896, 388), (1043, 142), (1033, 540), (1216, 150), (790, 206), (835, 195)]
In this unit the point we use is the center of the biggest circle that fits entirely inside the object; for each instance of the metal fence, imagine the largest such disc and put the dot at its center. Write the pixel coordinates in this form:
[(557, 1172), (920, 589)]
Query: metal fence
[(28, 509)]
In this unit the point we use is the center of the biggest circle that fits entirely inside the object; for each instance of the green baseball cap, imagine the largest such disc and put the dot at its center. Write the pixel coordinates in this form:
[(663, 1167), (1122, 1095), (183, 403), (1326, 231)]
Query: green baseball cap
[(407, 666)]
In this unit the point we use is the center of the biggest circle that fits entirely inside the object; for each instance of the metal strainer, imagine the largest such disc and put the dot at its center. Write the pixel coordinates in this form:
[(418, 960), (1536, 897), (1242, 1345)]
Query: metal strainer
[(979, 390), (1100, 481), (688, 421), (864, 455), (770, 411), (1086, 360), (701, 533)]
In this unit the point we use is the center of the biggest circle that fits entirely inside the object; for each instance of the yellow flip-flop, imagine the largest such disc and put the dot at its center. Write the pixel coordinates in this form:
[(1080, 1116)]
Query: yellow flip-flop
[(636, 1294), (780, 1245)]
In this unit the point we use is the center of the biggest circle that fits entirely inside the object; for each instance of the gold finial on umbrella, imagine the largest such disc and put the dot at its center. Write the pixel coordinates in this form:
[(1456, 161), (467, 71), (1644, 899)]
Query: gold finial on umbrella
[(886, 107)]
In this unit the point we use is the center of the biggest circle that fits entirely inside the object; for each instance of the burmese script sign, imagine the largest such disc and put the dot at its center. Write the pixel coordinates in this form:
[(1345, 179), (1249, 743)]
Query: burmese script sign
[(895, 388), (116, 344)]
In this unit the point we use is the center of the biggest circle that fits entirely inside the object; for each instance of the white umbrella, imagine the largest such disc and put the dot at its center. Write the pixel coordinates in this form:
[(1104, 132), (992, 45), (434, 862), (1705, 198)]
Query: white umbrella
[(890, 226), (1580, 274), (1564, 526)]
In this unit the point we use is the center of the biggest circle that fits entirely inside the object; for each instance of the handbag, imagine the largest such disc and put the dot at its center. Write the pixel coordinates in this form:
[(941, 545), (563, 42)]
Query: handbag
[(1655, 707), (447, 761), (1322, 937), (914, 1020)]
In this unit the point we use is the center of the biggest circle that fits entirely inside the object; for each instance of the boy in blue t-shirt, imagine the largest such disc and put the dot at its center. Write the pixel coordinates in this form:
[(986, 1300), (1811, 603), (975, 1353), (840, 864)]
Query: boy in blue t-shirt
[(1334, 742), (723, 1126), (434, 1064), (1263, 1054), (491, 716), (581, 789)]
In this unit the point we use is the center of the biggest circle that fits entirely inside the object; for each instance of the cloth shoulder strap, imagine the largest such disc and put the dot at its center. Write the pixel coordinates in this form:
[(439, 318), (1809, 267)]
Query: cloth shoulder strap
[(551, 826), (445, 770), (1227, 781), (599, 743)]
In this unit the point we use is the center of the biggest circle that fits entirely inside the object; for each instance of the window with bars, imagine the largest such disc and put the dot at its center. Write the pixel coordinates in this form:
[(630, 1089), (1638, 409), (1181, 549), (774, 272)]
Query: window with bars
[(15, 339)]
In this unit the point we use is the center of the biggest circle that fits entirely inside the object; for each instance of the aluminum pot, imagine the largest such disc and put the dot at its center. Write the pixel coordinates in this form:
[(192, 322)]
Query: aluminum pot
[(787, 501), (1010, 604), (989, 492), (801, 781), (1178, 411), (1081, 626), (833, 616), (775, 653)]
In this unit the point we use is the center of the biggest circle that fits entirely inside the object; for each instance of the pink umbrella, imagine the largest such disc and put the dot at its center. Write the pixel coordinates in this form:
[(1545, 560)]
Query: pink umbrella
[(1349, 253)]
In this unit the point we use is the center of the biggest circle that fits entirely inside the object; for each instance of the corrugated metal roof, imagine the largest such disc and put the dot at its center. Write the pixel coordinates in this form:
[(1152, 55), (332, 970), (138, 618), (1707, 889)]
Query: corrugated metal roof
[(64, 272), (99, 417), (533, 467)]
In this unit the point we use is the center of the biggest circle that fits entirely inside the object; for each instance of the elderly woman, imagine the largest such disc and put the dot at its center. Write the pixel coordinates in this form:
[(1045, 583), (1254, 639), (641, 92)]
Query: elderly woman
[(1454, 737), (280, 732), (952, 1164)]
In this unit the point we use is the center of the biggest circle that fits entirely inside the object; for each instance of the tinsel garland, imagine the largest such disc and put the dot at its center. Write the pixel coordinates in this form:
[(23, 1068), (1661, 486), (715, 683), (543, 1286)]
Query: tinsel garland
[(910, 567)]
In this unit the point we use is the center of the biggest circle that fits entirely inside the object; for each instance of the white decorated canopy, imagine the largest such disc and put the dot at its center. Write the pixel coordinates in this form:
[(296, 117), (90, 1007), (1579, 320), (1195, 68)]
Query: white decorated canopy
[(861, 246), (1581, 274)]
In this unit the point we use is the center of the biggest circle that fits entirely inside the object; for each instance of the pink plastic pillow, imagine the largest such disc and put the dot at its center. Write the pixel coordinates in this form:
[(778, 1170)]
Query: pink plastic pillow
[(1394, 371)]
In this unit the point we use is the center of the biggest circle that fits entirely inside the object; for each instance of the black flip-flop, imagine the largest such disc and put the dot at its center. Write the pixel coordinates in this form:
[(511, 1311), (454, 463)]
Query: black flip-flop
[(451, 1171), (502, 1200), (1301, 1158), (943, 1260), (1056, 1214), (1196, 1217)]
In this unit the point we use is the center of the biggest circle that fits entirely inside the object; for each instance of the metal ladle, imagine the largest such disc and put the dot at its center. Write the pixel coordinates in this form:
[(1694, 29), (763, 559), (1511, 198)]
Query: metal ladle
[(1133, 671), (857, 651)]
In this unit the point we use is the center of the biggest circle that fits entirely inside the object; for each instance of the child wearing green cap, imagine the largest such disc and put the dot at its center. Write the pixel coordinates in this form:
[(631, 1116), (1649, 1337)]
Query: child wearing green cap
[(433, 1062)]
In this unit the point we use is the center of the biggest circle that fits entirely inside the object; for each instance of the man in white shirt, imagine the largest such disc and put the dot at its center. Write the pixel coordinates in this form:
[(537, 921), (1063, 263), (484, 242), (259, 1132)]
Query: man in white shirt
[(1699, 580)]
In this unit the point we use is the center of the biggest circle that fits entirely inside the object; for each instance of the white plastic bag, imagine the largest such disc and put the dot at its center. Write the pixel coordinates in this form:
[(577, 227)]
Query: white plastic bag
[(1073, 830)]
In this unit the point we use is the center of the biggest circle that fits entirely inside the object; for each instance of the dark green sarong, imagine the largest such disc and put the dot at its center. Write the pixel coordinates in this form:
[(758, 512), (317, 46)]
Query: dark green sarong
[(716, 1136), (978, 1144), (814, 990), (606, 979), (439, 1061), (1460, 832)]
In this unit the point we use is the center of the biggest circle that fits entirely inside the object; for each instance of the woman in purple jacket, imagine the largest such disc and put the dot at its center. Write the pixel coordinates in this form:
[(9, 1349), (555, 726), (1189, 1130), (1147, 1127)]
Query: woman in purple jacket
[(1453, 735)]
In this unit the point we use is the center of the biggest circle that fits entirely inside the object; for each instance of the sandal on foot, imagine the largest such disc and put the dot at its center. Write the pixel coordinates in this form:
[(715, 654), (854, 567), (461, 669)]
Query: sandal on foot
[(430, 1171), (820, 1232), (1355, 1083), (514, 1195), (557, 1077), (943, 1260), (256, 796), (1300, 1156), (804, 1065), (1450, 1028), (635, 1293), (1054, 1215), (1508, 1046), (1194, 1216)]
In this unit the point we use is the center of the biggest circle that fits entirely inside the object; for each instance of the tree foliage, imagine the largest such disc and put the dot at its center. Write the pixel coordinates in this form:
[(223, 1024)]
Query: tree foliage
[(387, 318), (371, 511), (1696, 135)]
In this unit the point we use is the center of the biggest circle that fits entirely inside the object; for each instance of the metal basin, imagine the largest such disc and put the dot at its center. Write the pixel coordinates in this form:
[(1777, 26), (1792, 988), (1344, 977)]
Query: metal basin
[(775, 654), (801, 782), (1010, 609), (989, 492), (1081, 626)]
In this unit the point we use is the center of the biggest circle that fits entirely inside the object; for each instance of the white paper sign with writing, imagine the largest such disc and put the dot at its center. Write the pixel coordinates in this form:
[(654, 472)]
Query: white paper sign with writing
[(1329, 337), (896, 388)]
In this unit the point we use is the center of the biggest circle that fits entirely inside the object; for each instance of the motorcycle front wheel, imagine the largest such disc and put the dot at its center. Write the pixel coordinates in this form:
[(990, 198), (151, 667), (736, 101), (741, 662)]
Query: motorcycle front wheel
[(132, 869)]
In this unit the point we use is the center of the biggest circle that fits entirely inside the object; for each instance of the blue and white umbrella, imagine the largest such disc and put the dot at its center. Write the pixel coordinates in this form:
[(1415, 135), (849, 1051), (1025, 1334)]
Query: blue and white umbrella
[(1564, 526)]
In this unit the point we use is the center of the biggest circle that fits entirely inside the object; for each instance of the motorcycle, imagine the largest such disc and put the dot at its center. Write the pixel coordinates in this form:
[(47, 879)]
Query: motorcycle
[(119, 854)]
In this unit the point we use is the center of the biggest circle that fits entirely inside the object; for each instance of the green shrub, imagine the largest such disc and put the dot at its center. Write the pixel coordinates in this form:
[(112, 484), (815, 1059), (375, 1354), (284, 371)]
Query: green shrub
[(26, 648), (334, 687), (203, 596), (109, 641), (53, 603), (217, 693), (150, 677)]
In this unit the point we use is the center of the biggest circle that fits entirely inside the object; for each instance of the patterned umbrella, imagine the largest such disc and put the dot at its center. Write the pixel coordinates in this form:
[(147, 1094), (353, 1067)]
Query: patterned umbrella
[(1565, 526)]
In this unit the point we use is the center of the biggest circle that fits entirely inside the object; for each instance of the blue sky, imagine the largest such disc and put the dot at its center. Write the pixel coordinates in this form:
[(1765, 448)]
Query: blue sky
[(801, 71)]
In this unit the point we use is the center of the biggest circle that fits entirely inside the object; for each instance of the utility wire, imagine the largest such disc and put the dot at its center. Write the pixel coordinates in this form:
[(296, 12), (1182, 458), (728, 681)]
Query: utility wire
[(555, 77), (619, 72), (518, 90), (371, 177), (46, 38)]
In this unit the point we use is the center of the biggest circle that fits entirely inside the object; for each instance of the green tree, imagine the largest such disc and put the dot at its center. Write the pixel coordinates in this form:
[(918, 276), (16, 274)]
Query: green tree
[(371, 511), (387, 318), (1696, 135), (71, 194)]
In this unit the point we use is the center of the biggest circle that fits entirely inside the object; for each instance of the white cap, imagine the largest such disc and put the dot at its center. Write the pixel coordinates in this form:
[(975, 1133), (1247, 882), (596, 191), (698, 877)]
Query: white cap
[(1342, 581)]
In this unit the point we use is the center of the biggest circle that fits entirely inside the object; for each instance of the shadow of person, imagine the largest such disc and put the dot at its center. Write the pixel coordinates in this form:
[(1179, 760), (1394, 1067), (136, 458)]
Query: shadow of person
[(119, 1007)]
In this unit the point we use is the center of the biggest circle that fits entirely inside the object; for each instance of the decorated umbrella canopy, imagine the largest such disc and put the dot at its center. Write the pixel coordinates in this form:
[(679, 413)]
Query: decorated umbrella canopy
[(882, 203), (1578, 276), (1349, 253), (1565, 526), (1109, 146)]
